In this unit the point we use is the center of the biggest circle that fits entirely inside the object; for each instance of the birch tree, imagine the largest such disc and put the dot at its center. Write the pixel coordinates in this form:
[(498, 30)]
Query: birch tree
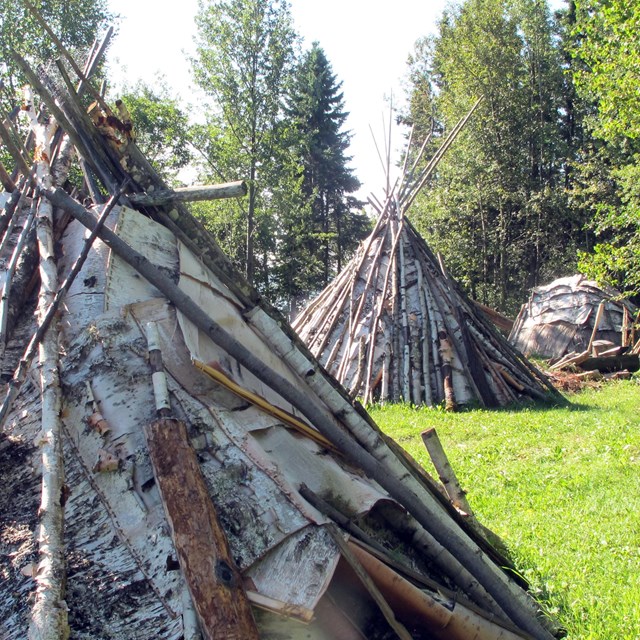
[(244, 56)]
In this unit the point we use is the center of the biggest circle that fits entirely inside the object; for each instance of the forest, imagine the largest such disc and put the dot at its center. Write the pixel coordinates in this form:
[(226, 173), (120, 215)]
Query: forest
[(542, 182)]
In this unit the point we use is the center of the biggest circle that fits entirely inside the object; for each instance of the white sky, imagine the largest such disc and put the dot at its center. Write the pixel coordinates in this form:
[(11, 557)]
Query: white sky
[(367, 43)]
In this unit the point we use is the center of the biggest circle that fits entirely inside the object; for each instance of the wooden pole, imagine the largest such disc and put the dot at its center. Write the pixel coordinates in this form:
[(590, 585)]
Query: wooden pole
[(215, 584), (162, 197), (49, 619)]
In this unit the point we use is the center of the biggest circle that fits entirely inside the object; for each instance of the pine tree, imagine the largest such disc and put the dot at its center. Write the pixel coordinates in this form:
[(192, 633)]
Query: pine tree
[(334, 222)]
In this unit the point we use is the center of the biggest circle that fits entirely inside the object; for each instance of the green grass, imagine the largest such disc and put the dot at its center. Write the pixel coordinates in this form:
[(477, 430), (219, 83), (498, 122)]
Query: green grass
[(561, 487)]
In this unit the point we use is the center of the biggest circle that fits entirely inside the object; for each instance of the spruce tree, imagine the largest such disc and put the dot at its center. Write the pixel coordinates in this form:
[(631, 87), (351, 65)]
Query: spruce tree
[(334, 222)]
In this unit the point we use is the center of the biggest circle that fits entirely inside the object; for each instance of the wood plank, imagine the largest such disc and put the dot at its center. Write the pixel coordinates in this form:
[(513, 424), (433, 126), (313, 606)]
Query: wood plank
[(609, 364), (215, 585)]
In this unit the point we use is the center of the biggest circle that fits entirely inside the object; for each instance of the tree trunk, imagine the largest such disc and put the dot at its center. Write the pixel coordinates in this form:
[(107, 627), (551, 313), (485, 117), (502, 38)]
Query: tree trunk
[(49, 613)]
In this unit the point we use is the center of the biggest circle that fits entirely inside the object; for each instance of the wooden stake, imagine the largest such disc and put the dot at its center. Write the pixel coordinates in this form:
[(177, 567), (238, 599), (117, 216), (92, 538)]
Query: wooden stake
[(202, 548), (445, 471), (596, 324)]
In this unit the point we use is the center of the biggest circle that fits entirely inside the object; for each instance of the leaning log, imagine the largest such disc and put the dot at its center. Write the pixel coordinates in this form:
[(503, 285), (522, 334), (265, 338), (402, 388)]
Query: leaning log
[(162, 197)]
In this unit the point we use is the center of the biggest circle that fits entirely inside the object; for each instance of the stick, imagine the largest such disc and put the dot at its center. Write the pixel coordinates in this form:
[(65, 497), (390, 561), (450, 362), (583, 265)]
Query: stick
[(213, 580)]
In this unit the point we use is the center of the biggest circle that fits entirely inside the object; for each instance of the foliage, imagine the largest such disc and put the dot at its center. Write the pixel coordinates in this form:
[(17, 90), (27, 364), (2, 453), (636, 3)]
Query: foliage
[(607, 74), (497, 209), (75, 22), (244, 56), (324, 233), (162, 129), (560, 487)]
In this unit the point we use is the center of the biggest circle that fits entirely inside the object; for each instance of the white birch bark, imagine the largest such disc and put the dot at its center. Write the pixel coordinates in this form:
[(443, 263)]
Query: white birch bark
[(49, 613)]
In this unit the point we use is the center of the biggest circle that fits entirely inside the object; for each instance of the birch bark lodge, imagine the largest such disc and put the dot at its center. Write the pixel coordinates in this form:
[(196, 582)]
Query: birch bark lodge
[(394, 325), (325, 527), (571, 316)]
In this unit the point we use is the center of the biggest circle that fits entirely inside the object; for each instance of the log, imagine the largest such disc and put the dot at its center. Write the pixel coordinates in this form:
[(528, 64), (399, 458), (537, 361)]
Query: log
[(162, 197), (450, 622), (609, 364), (49, 618), (214, 582)]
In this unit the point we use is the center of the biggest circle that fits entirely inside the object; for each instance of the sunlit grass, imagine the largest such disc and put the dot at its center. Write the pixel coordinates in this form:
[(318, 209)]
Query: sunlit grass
[(561, 487)]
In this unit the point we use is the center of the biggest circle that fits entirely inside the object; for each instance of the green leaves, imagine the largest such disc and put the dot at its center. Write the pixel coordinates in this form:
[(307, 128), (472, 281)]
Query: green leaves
[(607, 74), (497, 207), (162, 128)]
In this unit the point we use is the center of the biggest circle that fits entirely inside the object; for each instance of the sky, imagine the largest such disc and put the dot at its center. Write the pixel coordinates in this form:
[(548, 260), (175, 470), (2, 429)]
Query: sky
[(366, 42)]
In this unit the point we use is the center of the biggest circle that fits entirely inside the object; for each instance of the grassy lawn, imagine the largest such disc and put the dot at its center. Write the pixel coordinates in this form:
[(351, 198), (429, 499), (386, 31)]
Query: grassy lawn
[(561, 487)]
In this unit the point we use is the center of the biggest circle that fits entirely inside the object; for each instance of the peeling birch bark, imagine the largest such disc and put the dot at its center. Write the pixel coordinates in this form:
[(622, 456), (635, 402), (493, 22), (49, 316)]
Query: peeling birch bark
[(49, 614)]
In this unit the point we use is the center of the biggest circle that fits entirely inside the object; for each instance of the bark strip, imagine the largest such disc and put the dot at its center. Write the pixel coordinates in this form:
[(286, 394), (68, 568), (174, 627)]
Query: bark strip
[(215, 584), (20, 374)]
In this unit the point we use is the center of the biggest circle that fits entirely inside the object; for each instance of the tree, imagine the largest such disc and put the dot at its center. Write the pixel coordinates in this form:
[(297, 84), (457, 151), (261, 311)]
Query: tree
[(76, 23), (607, 75), (334, 224), (244, 55), (497, 209)]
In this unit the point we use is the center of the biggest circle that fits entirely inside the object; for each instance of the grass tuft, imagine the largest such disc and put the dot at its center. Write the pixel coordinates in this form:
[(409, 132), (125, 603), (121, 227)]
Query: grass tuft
[(561, 487)]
